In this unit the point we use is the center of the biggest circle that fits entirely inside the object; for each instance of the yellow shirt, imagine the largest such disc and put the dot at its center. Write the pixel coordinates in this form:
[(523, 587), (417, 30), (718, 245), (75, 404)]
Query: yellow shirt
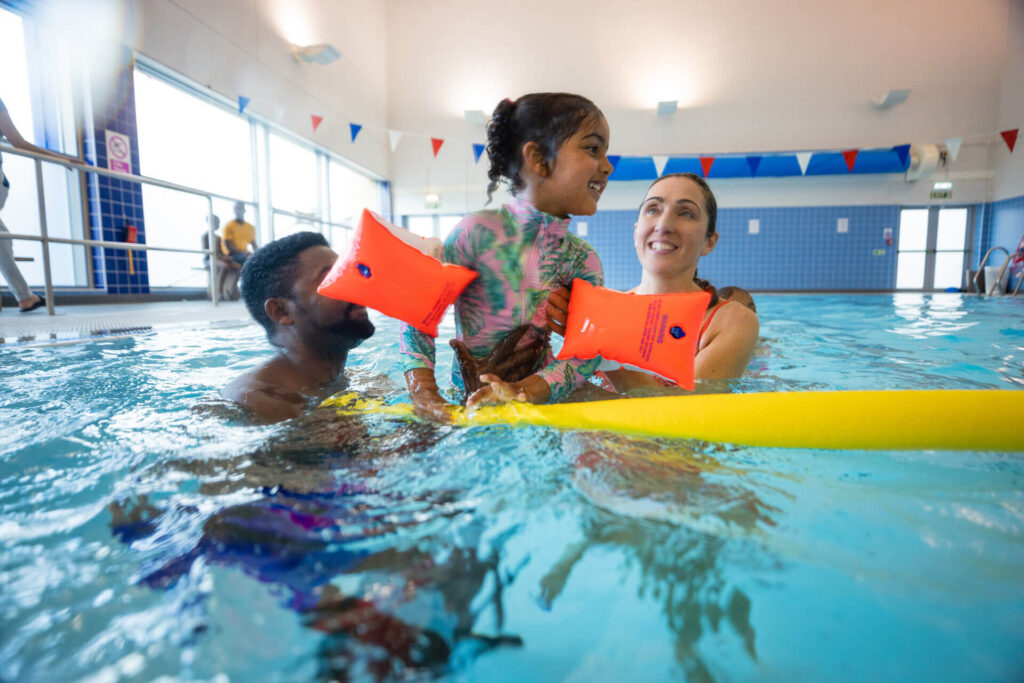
[(241, 233)]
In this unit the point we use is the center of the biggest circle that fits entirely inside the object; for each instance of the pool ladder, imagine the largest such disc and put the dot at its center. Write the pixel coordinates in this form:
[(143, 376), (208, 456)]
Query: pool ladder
[(999, 278)]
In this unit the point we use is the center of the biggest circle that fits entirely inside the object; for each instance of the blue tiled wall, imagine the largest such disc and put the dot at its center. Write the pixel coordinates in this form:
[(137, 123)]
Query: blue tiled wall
[(1005, 227), (116, 203), (796, 249)]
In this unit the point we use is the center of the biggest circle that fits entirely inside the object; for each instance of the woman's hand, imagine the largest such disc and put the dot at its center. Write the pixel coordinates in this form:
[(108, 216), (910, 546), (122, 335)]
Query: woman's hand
[(495, 391), (426, 399), (558, 310)]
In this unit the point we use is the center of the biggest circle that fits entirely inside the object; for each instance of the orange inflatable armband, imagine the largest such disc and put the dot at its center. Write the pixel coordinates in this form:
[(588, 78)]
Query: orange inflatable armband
[(657, 332), (387, 274)]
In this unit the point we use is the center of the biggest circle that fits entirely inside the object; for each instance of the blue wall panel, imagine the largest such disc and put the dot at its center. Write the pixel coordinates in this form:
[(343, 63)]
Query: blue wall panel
[(1005, 227), (796, 248)]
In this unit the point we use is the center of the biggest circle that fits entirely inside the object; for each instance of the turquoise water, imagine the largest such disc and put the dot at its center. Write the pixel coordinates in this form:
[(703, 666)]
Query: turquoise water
[(143, 537)]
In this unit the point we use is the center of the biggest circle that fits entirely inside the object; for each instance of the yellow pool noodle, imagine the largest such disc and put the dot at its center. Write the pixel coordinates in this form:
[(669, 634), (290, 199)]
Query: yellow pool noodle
[(979, 420)]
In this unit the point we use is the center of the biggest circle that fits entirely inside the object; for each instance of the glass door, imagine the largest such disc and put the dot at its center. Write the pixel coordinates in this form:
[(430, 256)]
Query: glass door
[(932, 248)]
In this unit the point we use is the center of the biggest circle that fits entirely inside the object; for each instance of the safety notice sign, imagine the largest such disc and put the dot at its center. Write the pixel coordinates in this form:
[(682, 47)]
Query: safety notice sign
[(119, 152)]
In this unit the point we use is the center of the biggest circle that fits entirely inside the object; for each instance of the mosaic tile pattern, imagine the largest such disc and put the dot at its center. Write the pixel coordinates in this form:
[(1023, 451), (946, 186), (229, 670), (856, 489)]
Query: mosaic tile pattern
[(116, 203)]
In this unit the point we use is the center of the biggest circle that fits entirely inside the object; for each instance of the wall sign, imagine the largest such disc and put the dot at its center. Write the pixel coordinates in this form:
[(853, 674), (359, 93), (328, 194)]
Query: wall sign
[(119, 152)]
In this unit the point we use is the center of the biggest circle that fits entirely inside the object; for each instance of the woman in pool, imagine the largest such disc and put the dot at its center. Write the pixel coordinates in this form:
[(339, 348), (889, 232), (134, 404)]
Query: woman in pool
[(676, 226)]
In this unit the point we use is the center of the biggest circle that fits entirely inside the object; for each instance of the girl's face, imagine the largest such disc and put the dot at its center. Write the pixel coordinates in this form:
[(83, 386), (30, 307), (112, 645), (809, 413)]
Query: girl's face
[(670, 235), (580, 172)]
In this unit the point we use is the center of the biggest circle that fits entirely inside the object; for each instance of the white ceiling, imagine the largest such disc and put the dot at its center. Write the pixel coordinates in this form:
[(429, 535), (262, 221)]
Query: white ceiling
[(750, 75)]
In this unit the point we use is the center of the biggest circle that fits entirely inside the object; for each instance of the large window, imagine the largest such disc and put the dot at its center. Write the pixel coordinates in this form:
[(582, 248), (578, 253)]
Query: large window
[(188, 141), (434, 225), (36, 92), (294, 186), (287, 185)]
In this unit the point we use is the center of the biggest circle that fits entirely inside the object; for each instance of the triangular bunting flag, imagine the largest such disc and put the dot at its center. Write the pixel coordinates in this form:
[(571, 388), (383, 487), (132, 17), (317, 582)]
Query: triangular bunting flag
[(903, 152), (278, 113), (850, 156), (953, 147), (660, 161), (1010, 138), (613, 159), (478, 149), (753, 163), (243, 102), (706, 163), (317, 120), (436, 144), (803, 158), (394, 137), (354, 128)]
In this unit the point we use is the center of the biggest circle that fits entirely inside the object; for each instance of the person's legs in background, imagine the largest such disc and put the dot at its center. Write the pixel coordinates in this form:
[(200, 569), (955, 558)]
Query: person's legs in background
[(27, 301)]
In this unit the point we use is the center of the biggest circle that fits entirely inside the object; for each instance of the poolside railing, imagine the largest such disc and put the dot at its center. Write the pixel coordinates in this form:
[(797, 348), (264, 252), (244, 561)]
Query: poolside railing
[(81, 168)]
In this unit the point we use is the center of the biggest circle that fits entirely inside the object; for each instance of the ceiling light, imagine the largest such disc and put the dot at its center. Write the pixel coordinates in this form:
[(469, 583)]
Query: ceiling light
[(476, 116), (315, 54), (890, 98), (667, 107)]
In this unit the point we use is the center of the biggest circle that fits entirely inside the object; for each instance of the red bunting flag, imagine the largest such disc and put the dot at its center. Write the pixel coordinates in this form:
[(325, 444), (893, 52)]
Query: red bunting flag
[(1010, 138), (706, 163), (850, 155), (436, 143), (317, 120)]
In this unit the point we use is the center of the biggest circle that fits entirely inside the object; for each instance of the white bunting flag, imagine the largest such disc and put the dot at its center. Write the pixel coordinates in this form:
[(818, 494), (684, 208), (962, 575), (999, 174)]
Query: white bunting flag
[(394, 137), (660, 161), (953, 147), (803, 158)]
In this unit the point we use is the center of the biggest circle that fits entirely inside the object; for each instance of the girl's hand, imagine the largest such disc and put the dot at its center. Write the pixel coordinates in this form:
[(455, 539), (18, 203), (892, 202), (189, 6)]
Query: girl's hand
[(558, 310), (426, 399), (495, 392)]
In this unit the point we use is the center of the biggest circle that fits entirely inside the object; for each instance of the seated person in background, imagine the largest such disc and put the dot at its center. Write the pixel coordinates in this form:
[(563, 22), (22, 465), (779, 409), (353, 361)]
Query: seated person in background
[(238, 236), (313, 334), (739, 295), (227, 269)]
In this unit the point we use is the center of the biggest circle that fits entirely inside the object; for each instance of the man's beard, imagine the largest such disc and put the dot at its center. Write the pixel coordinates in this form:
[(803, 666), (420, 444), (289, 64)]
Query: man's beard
[(339, 336), (353, 331)]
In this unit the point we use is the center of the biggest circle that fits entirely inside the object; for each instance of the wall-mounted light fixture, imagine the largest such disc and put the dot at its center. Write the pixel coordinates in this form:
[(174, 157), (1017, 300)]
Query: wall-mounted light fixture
[(667, 107), (890, 98), (315, 54)]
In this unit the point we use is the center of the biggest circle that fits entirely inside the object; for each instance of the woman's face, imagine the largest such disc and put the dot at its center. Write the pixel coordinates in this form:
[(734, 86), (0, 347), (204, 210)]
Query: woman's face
[(670, 235)]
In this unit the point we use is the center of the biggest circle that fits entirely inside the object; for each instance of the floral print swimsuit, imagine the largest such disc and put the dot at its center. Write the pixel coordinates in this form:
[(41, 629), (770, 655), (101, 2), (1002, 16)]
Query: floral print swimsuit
[(520, 254)]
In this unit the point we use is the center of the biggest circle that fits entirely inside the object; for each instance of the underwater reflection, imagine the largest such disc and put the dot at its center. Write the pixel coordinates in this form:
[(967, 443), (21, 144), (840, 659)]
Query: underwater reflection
[(392, 582), (655, 502)]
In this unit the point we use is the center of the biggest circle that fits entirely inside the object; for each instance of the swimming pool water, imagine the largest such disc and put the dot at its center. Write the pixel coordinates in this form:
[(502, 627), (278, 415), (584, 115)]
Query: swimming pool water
[(143, 537)]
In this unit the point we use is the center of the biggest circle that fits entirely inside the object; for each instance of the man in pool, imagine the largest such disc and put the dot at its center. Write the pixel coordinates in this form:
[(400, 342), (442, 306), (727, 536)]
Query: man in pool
[(313, 334)]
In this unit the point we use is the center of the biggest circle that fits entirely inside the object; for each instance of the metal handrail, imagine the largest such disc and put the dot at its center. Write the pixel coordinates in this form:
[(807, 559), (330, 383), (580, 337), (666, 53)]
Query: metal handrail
[(82, 168), (981, 271)]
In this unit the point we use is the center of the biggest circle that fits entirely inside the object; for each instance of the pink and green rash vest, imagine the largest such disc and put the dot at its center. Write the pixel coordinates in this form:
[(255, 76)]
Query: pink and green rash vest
[(520, 255)]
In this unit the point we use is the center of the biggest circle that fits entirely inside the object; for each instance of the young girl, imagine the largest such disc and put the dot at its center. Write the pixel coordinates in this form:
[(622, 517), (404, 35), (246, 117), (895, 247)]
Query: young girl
[(550, 149)]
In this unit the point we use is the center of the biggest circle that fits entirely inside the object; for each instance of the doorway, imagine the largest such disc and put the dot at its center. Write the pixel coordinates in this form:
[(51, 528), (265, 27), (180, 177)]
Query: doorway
[(932, 248)]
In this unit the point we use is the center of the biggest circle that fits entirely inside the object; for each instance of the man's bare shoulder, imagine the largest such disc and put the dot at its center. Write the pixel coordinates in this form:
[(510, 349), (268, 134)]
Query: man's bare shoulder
[(267, 390)]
